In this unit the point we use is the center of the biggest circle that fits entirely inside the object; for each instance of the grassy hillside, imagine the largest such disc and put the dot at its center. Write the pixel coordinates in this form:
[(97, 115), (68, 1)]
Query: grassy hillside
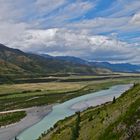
[(117, 120)]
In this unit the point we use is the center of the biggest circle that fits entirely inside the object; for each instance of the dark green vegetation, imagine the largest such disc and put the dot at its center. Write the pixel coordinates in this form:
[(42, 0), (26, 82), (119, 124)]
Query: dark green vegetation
[(76, 128), (9, 118), (17, 64), (116, 120), (67, 78)]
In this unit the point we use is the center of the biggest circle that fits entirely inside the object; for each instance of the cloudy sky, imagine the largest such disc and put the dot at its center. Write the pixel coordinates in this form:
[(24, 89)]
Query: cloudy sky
[(96, 30)]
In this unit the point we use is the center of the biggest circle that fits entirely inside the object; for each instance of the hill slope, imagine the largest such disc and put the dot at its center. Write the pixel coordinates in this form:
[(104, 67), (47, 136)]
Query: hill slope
[(16, 61), (118, 120)]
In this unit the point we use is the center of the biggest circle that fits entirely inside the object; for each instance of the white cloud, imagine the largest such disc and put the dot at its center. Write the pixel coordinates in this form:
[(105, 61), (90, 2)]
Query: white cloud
[(49, 5), (121, 8), (128, 7), (136, 19), (9, 10), (101, 25), (68, 42), (11, 32), (70, 11)]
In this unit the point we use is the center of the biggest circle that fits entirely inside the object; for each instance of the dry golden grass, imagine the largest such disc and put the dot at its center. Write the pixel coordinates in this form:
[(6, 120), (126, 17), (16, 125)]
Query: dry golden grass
[(53, 86)]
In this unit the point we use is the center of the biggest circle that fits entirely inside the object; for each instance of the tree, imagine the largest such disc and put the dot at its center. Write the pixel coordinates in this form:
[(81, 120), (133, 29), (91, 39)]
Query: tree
[(16, 138), (114, 100), (73, 135), (76, 128)]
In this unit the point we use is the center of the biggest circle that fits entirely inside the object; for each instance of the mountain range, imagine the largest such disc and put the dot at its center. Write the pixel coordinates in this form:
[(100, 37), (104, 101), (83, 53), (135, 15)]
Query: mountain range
[(118, 67), (17, 62)]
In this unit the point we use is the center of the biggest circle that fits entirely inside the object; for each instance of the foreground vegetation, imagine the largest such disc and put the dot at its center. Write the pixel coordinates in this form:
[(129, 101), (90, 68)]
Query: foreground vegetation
[(9, 118), (18, 96), (116, 120)]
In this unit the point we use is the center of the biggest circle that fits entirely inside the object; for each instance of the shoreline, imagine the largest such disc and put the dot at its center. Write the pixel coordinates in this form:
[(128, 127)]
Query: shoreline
[(34, 115)]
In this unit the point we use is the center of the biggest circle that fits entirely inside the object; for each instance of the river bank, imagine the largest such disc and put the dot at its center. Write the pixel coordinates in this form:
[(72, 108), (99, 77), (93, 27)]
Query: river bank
[(34, 115)]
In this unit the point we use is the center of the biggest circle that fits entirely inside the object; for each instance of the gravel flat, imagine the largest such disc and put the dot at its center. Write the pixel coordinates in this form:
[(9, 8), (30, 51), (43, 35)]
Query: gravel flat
[(34, 115)]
